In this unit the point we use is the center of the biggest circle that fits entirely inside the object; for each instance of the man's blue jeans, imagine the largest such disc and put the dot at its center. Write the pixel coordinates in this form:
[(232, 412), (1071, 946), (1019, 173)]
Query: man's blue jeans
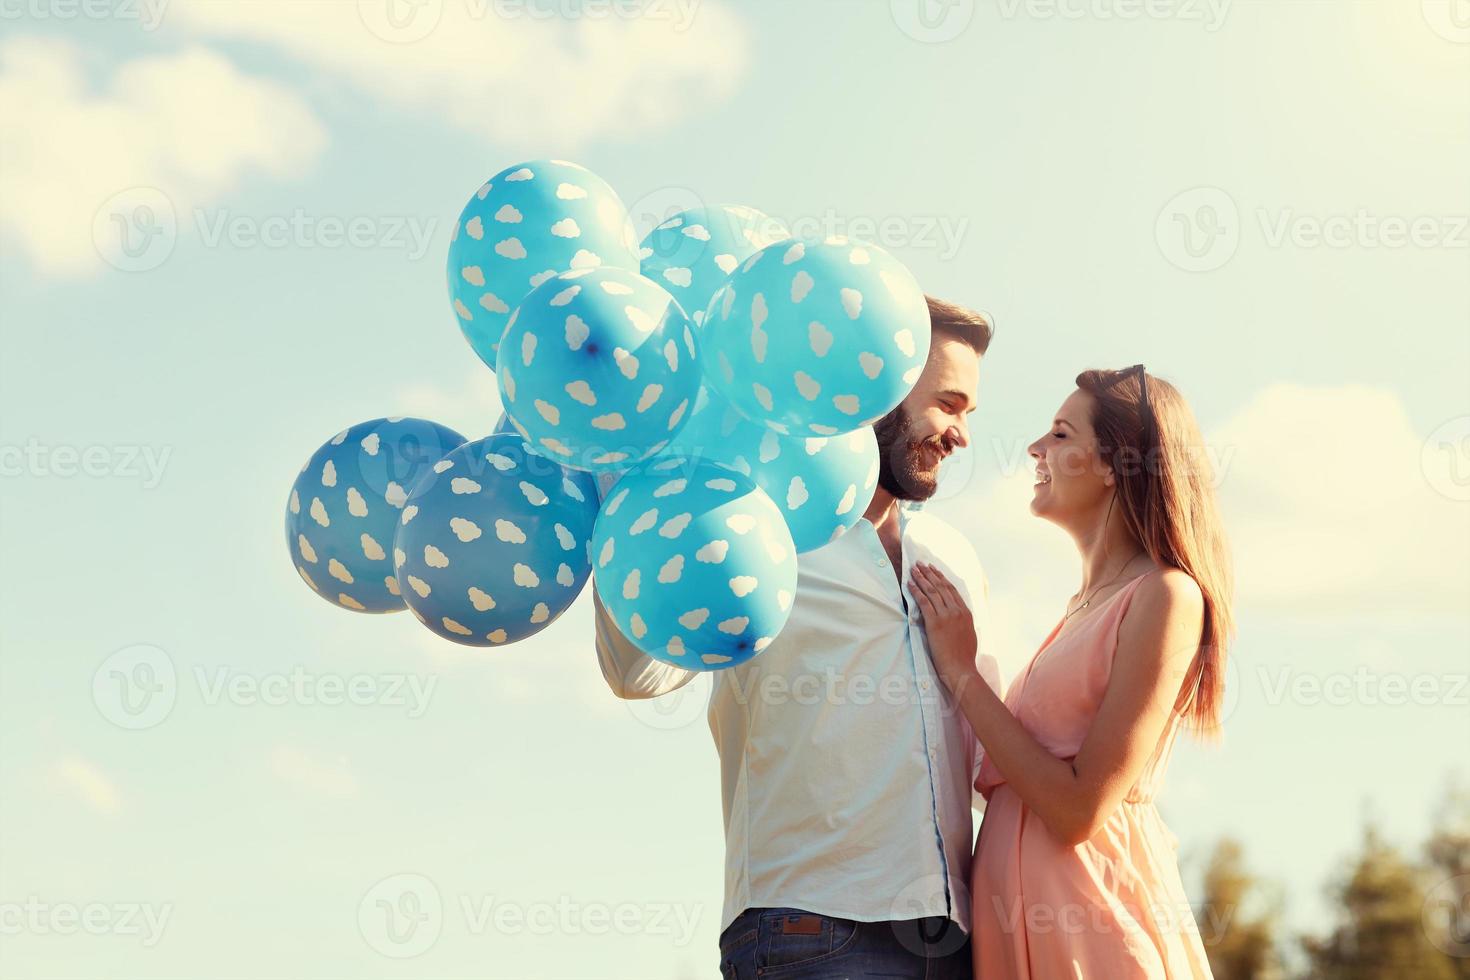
[(793, 944)]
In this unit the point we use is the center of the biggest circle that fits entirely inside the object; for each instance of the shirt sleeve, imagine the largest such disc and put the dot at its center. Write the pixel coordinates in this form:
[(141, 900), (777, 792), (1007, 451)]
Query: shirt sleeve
[(630, 673)]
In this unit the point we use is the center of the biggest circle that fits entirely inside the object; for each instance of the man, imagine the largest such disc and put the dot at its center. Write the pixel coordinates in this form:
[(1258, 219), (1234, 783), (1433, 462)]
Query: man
[(846, 768)]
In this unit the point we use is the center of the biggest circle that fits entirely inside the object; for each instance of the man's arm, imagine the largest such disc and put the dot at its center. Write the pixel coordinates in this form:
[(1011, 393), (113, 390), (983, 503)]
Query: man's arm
[(630, 673)]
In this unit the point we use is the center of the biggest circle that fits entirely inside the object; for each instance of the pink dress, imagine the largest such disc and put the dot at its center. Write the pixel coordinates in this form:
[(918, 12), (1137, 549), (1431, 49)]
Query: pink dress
[(1112, 908)]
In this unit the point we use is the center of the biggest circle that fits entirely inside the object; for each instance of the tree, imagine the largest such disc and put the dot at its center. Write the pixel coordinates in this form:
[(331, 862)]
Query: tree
[(1447, 854), (1239, 948), (1381, 933)]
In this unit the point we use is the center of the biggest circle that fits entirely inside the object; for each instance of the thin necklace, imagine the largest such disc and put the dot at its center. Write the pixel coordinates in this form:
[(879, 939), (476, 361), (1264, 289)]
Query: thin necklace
[(1088, 600)]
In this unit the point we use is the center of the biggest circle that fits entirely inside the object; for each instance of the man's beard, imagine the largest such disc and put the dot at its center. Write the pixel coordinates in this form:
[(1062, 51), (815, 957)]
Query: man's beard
[(907, 469)]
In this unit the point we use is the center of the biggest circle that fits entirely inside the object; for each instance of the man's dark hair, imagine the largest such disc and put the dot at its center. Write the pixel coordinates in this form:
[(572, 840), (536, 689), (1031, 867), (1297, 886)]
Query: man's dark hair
[(968, 326)]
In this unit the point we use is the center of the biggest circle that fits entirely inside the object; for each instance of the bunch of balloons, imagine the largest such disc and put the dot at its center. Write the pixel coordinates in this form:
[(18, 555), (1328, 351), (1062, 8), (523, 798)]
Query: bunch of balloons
[(720, 377)]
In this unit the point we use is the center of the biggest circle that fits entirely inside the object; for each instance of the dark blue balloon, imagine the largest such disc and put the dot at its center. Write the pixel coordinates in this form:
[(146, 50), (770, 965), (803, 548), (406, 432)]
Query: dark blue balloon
[(494, 543), (345, 503)]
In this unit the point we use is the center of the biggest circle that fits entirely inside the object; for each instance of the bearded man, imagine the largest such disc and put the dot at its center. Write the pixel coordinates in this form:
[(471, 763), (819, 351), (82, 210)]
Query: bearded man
[(847, 771)]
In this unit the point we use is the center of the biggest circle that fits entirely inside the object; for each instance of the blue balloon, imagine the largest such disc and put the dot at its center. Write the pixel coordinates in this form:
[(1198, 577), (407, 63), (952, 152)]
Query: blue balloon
[(526, 224), (345, 503), (822, 484), (693, 253), (816, 338), (599, 368), (493, 544), (694, 563)]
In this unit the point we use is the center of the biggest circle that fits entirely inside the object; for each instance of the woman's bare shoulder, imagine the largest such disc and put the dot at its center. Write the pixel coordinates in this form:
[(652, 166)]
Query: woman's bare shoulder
[(1167, 601)]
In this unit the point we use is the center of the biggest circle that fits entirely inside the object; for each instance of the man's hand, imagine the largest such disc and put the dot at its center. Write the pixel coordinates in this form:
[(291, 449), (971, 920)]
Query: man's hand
[(949, 625)]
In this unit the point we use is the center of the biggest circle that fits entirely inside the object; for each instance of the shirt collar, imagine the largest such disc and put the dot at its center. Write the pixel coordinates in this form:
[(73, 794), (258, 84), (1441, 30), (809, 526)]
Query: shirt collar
[(906, 509)]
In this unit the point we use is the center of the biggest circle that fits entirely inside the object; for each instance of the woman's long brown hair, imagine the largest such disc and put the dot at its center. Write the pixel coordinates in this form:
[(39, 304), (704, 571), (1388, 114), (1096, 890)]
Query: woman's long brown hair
[(1166, 493)]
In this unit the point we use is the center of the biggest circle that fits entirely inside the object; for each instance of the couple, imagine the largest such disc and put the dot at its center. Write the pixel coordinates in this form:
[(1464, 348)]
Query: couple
[(852, 748)]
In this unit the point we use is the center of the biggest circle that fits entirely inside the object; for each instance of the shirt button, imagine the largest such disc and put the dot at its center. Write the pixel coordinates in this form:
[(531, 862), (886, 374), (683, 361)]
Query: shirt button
[(882, 563), (923, 685)]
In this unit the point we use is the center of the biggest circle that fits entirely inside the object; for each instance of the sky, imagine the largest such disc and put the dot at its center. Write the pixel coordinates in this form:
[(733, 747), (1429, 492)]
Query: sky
[(222, 240)]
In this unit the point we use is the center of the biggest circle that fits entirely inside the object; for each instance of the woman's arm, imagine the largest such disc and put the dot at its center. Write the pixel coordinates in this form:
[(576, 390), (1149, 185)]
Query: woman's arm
[(1157, 641)]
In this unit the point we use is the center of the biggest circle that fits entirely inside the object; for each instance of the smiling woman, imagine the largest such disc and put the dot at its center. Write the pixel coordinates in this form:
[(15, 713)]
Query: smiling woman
[(1085, 732), (1149, 440)]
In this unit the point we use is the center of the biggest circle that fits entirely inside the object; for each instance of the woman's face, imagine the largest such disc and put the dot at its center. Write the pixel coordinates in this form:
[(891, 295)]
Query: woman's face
[(1073, 483)]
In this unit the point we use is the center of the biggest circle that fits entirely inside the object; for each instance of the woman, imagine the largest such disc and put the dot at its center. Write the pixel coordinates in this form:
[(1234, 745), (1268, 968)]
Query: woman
[(1074, 874)]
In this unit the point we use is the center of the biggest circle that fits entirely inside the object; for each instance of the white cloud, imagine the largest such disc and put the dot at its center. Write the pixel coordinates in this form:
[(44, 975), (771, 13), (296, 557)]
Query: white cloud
[(187, 126), (89, 783), (495, 70), (1329, 509)]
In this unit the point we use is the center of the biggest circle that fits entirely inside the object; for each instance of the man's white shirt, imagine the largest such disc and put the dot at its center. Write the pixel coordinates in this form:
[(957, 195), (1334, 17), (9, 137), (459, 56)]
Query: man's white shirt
[(846, 767)]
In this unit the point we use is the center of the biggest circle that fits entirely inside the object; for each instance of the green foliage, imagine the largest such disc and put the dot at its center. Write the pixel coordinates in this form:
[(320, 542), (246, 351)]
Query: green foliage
[(1238, 920), (1381, 932), (1396, 919)]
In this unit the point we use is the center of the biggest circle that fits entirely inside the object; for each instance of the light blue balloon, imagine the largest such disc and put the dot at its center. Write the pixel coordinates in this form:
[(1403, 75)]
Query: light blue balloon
[(816, 337), (345, 503), (493, 544), (693, 253), (523, 226), (822, 484), (598, 368), (694, 563)]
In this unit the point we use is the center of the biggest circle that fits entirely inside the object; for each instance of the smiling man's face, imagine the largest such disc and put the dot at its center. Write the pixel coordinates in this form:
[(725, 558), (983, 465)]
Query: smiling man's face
[(931, 422)]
